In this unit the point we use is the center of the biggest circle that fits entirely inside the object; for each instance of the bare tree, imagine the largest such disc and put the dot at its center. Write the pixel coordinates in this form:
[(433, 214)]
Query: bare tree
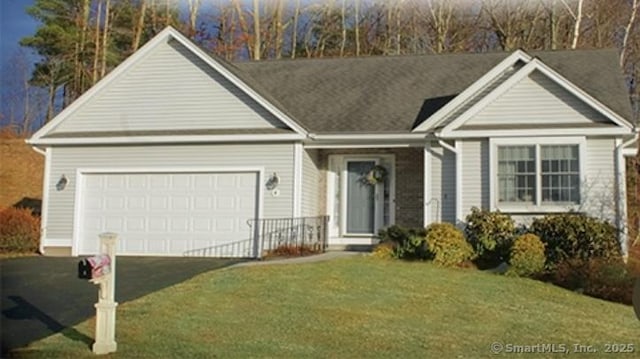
[(139, 26), (635, 8), (256, 30), (194, 8)]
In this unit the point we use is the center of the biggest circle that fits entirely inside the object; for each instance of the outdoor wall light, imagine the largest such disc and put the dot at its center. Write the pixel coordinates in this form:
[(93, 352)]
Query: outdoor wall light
[(272, 182), (62, 183)]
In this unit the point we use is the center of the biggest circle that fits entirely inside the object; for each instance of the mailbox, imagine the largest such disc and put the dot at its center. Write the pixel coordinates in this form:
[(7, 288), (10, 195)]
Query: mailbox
[(94, 267)]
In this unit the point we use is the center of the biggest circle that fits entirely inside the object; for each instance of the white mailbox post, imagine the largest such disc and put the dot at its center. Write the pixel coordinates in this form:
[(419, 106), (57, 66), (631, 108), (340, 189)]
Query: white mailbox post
[(106, 306)]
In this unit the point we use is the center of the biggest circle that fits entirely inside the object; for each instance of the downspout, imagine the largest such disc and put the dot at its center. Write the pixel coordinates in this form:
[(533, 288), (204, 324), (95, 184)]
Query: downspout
[(45, 186), (622, 194), (456, 151)]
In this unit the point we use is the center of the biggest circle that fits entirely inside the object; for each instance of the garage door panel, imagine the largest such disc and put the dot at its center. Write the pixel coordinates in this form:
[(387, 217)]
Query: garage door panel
[(179, 223), (114, 182), (205, 203), (169, 213), (179, 203), (135, 225), (136, 202)]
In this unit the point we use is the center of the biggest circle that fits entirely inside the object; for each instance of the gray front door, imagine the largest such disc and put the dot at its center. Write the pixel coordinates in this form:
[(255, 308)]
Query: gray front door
[(361, 201)]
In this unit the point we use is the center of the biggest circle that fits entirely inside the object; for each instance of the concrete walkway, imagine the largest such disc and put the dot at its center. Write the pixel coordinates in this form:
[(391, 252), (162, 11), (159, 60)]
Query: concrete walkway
[(307, 259)]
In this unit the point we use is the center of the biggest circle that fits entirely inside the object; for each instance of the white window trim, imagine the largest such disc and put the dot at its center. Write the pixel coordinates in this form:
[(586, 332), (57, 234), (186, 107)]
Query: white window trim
[(340, 161), (537, 207)]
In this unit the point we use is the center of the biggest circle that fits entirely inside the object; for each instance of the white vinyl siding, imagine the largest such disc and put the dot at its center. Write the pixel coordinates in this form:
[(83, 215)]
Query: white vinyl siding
[(443, 181), (537, 100), (170, 88), (475, 175), (599, 186), (276, 158), (310, 183)]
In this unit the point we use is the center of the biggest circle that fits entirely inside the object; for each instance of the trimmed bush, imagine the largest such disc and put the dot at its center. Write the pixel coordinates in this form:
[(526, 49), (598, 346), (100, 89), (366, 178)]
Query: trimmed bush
[(408, 243), (384, 250), (447, 246), (527, 256), (606, 279), (19, 231), (576, 236), (490, 234)]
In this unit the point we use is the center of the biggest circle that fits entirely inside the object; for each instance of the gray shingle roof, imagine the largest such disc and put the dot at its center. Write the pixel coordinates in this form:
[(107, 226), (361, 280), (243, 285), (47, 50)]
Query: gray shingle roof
[(395, 93)]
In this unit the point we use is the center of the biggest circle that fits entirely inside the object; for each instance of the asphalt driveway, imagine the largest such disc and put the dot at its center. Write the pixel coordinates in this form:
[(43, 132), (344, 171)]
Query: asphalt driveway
[(42, 295)]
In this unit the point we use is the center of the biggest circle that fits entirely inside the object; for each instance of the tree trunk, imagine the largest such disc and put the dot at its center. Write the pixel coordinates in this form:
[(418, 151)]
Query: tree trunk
[(278, 29), (137, 33), (294, 35), (96, 49), (256, 30), (194, 7), (343, 21), (635, 8), (105, 38), (244, 26), (576, 28), (357, 25)]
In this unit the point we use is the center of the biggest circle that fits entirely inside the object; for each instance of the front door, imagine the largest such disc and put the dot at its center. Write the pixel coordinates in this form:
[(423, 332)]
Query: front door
[(361, 198), (359, 205)]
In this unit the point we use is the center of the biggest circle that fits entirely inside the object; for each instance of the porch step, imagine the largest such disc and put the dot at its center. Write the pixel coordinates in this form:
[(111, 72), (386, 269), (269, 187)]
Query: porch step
[(350, 247)]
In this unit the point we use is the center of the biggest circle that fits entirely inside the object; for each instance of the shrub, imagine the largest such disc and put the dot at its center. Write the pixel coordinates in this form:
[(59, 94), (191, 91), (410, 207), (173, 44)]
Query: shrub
[(408, 243), (290, 250), (602, 278), (527, 256), (490, 234), (447, 246), (576, 236), (19, 231), (384, 250)]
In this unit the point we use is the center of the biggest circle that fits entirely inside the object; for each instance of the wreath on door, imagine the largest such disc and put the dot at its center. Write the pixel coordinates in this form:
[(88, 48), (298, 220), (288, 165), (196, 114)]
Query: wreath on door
[(378, 174)]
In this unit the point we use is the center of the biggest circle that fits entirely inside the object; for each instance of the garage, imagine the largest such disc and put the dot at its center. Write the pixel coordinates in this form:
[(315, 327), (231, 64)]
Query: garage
[(169, 213)]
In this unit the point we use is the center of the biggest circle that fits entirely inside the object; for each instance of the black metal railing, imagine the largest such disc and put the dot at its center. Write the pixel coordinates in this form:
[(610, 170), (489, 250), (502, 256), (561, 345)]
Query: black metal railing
[(303, 233), (237, 249)]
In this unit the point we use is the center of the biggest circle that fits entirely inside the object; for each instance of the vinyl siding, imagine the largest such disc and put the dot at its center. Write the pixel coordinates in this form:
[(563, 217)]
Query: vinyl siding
[(170, 88), (276, 158), (475, 175), (536, 99), (599, 186), (482, 93), (443, 182), (310, 183)]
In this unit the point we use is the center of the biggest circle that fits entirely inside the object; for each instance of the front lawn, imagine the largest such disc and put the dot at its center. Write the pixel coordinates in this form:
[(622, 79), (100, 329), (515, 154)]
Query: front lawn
[(352, 308)]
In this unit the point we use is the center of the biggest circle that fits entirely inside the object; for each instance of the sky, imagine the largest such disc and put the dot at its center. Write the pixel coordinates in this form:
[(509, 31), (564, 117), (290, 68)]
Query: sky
[(14, 25)]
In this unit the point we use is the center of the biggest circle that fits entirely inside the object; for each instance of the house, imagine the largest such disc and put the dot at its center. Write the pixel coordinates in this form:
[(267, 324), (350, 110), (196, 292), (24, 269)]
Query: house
[(178, 151)]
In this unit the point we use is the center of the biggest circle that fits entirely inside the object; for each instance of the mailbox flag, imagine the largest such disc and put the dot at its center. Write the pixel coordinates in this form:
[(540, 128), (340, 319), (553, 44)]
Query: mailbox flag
[(100, 265)]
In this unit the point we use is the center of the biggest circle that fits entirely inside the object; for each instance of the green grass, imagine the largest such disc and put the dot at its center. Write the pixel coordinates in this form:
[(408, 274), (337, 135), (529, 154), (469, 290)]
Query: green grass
[(352, 308)]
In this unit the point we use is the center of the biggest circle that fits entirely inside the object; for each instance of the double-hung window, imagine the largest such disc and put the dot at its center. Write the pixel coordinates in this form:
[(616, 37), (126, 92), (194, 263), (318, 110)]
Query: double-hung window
[(539, 175)]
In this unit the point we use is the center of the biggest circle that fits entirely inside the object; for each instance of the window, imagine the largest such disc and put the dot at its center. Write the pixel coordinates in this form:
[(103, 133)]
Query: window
[(516, 174), (542, 174), (560, 174)]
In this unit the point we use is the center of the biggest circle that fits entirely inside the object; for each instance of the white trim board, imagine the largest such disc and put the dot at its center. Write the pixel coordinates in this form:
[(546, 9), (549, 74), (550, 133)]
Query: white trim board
[(166, 139)]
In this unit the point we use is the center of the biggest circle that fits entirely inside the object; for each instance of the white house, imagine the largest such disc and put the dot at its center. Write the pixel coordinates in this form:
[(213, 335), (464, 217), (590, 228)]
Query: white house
[(178, 151)]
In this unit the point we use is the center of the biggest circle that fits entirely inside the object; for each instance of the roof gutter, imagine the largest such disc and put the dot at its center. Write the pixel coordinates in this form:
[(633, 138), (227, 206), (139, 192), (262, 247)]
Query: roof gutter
[(366, 136)]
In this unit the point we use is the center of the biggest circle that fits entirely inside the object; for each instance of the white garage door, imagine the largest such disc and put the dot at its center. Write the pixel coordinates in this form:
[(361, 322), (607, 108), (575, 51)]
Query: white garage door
[(172, 214)]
